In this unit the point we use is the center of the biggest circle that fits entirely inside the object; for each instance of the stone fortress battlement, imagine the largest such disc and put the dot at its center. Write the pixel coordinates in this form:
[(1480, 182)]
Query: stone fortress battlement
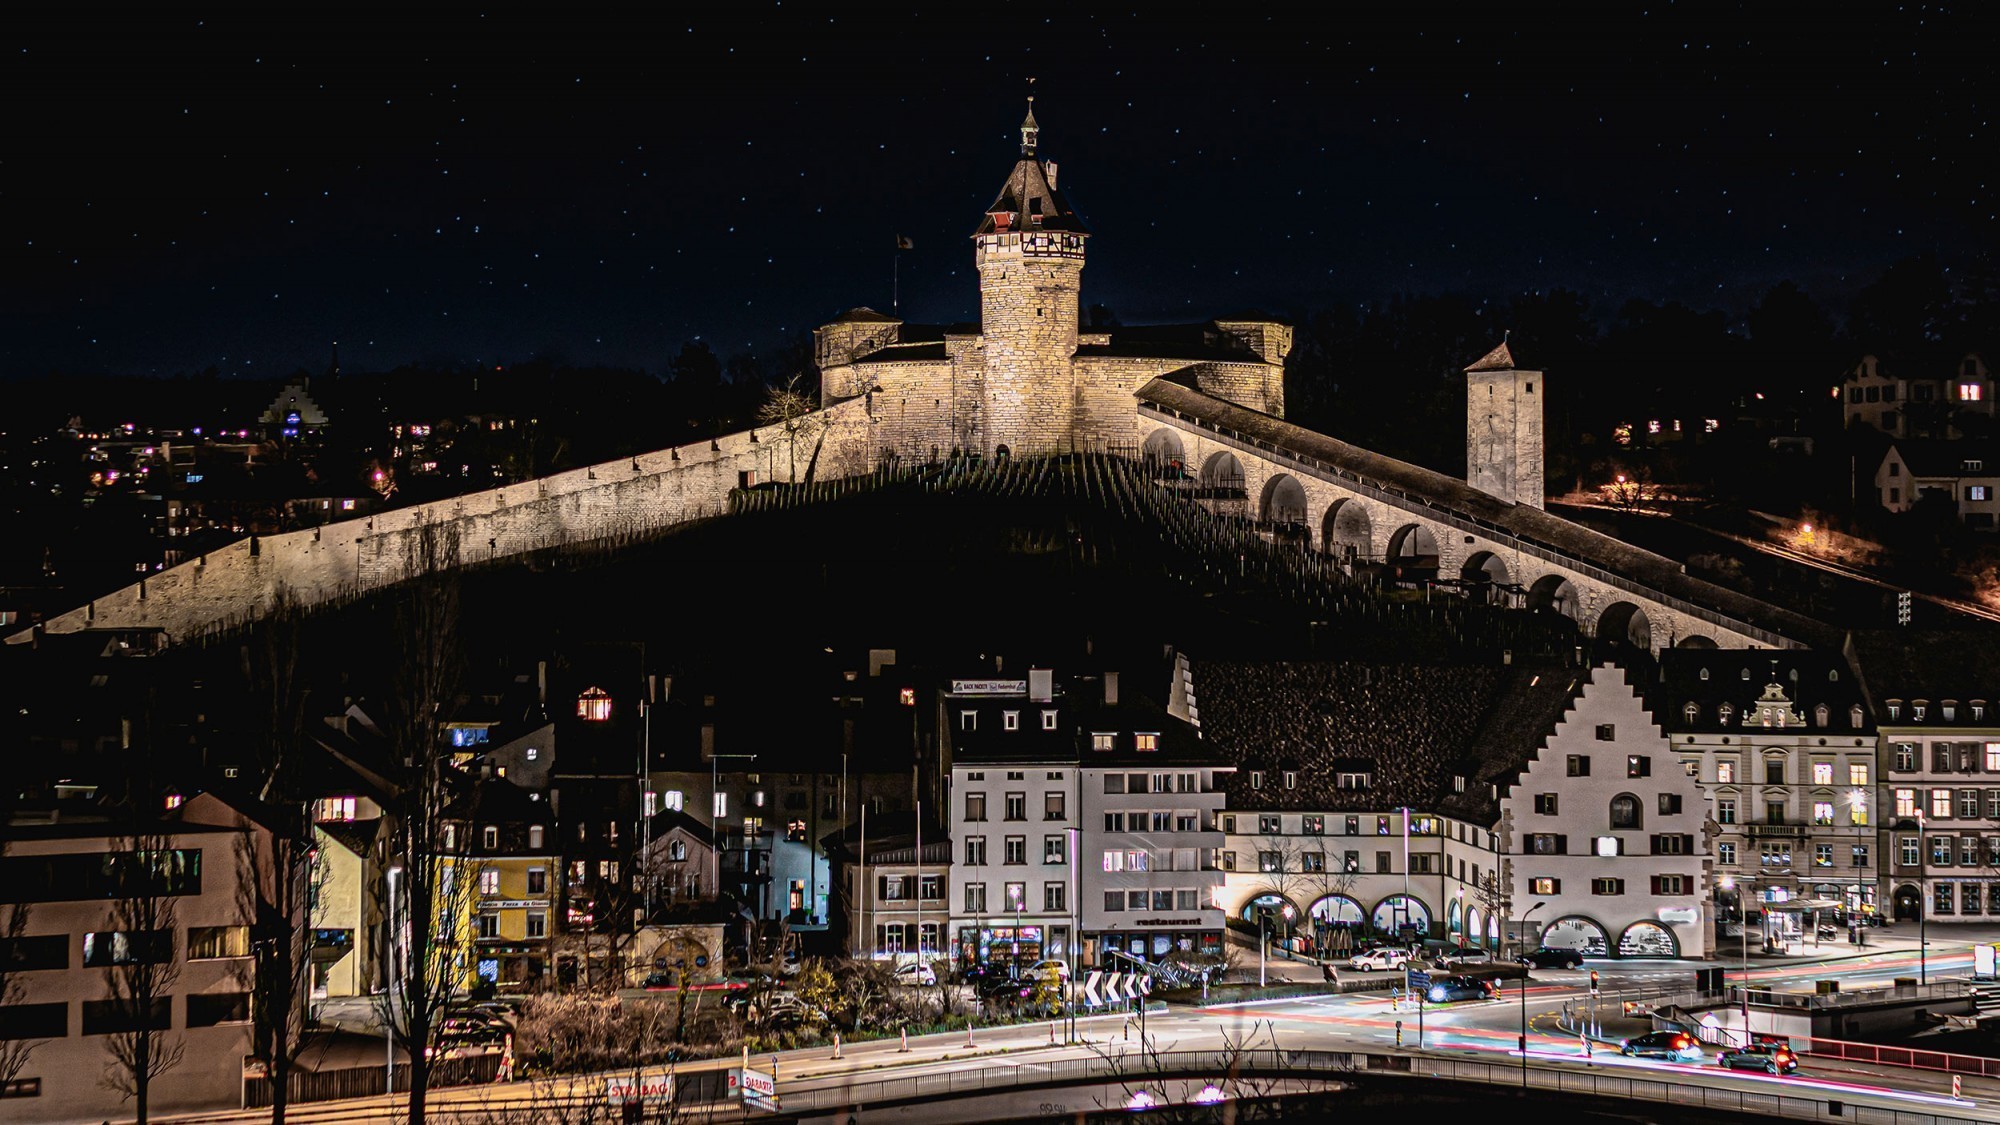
[(1206, 399)]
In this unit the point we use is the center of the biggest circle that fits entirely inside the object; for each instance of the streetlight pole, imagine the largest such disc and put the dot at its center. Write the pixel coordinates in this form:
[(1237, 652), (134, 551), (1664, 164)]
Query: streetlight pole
[(1524, 1002), (1923, 906), (1406, 868), (715, 815), (1263, 940), (1070, 841)]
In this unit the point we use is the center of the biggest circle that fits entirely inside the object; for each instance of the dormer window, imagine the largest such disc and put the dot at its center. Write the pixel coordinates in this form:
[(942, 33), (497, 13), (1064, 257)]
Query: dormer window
[(1704, 675), (1948, 711), (1978, 711), (1917, 712), (1725, 713), (1895, 709), (1972, 466), (1820, 715), (594, 705), (1691, 712), (1854, 716)]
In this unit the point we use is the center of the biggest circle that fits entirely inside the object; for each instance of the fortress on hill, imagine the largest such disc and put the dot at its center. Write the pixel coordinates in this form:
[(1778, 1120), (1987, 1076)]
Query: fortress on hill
[(1202, 404)]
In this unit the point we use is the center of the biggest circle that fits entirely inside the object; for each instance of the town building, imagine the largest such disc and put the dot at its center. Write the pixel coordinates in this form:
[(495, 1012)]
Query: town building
[(1939, 747), (894, 883), (128, 924), (1964, 475), (500, 838), (1606, 835), (1920, 406), (1783, 744)]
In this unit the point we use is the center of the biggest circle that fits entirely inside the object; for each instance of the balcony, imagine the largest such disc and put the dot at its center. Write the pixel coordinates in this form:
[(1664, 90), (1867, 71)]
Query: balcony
[(1774, 831)]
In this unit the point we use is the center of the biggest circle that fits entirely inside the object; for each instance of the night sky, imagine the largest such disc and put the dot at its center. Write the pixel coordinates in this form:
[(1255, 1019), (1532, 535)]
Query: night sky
[(182, 191)]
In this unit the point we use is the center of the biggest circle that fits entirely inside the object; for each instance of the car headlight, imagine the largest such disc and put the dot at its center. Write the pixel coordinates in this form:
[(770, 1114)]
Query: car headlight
[(1437, 993)]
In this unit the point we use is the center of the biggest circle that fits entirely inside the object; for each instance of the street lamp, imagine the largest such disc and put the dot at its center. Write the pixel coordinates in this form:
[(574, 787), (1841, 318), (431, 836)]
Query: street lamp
[(1524, 998), (1289, 911), (1072, 838), (1263, 940), (1923, 906), (715, 816)]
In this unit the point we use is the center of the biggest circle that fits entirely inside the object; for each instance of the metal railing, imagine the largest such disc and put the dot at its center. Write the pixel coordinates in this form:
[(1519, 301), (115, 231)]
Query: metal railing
[(1911, 1057), (1142, 1069), (1766, 998)]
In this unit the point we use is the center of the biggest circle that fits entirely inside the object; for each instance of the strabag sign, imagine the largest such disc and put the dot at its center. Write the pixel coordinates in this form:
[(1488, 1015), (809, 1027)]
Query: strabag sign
[(653, 1089)]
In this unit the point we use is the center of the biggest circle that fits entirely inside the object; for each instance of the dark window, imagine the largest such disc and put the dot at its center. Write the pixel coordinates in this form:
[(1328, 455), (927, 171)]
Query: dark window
[(109, 1017), (1546, 804), (1638, 765), (100, 875), (1607, 732), (1670, 803), (1579, 765), (34, 1021), (1625, 811), (26, 954), (209, 1009)]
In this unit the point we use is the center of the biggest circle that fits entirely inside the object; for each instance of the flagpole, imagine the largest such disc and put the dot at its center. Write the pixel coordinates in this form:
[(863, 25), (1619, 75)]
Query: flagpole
[(896, 278)]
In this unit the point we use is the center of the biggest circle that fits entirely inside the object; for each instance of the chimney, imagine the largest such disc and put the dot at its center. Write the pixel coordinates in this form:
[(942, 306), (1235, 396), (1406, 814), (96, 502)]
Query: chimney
[(542, 683), (1111, 689), (1041, 685)]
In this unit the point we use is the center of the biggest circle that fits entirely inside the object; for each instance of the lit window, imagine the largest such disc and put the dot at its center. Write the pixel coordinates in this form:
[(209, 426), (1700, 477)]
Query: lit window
[(1857, 773), (1822, 773), (1968, 392), (1146, 741), (594, 706), (1101, 741), (489, 882), (721, 805), (907, 696), (673, 799)]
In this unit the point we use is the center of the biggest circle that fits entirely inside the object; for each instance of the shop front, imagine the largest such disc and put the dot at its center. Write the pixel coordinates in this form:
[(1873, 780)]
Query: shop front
[(1016, 948), (1155, 945)]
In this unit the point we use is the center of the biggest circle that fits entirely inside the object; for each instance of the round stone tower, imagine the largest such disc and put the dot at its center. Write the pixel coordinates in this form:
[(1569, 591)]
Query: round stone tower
[(1029, 252)]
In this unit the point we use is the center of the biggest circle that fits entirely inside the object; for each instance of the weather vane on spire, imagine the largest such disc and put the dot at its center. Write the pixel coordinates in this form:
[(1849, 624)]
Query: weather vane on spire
[(1030, 131)]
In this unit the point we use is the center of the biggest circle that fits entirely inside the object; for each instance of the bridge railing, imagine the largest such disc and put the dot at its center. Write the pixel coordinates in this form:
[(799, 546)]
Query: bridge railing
[(1247, 1074), (1396, 497)]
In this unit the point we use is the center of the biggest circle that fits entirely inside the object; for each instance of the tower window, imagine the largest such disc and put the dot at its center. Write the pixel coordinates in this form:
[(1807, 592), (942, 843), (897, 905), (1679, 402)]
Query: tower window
[(594, 705)]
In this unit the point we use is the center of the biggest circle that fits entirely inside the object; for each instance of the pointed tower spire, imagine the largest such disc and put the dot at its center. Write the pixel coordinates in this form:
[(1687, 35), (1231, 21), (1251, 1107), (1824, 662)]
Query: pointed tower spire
[(1030, 132)]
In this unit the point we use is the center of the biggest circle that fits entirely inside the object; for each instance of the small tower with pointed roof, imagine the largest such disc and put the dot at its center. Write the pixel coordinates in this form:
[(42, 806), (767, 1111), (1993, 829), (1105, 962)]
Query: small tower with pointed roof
[(1503, 428), (1029, 250)]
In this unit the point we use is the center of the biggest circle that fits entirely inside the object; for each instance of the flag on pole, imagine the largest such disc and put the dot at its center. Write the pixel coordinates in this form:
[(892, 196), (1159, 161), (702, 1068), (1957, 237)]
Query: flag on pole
[(903, 243)]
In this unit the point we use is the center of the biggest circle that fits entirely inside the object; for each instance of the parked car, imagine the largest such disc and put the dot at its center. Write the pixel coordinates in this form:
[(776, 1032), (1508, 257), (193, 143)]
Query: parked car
[(1548, 957), (1462, 955), (1758, 1056), (1675, 1045), (1387, 957), (461, 1030), (1444, 990), (916, 973), (1042, 967), (657, 981)]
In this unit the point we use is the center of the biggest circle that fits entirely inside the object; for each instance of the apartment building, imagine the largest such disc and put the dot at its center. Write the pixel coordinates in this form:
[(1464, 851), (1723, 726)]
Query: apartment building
[(1785, 748)]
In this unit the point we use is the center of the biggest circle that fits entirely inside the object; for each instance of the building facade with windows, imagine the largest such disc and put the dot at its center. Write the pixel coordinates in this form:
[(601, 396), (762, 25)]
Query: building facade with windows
[(502, 842), (1784, 746), (1923, 406), (1014, 820), (1939, 739), (1403, 873), (115, 914), (1965, 475), (1607, 835)]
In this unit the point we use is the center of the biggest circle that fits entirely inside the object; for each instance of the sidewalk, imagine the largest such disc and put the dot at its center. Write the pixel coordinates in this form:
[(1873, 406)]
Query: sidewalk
[(1942, 939)]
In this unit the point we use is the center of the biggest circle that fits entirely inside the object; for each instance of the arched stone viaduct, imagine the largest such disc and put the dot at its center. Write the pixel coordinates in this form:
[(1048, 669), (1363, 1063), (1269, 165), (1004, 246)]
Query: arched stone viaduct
[(1331, 495), (1339, 498)]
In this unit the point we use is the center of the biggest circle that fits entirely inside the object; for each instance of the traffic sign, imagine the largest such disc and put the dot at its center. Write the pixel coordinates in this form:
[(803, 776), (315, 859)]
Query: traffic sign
[(1090, 996), (1420, 981)]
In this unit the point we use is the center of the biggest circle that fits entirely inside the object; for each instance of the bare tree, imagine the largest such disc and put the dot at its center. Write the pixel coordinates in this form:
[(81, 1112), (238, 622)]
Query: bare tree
[(277, 889), (140, 968), (13, 928), (428, 898), (796, 415)]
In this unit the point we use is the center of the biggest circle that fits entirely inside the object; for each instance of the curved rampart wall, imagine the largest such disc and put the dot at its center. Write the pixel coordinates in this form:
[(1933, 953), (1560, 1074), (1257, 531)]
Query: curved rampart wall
[(616, 498)]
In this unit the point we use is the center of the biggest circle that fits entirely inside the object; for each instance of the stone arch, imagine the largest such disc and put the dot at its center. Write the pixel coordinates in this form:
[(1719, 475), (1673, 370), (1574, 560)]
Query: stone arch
[(1413, 545), (1338, 910), (1483, 573), (1001, 452), (1475, 928), (1554, 592), (1271, 898), (1222, 470), (1392, 912), (1284, 502), (1624, 623), (1346, 529), (1454, 922), (1163, 452), (1696, 640), (1574, 931), (1909, 903), (1647, 938)]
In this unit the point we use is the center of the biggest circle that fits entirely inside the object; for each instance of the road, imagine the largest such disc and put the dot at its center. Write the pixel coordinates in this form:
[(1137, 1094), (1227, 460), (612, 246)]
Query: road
[(1483, 1030)]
